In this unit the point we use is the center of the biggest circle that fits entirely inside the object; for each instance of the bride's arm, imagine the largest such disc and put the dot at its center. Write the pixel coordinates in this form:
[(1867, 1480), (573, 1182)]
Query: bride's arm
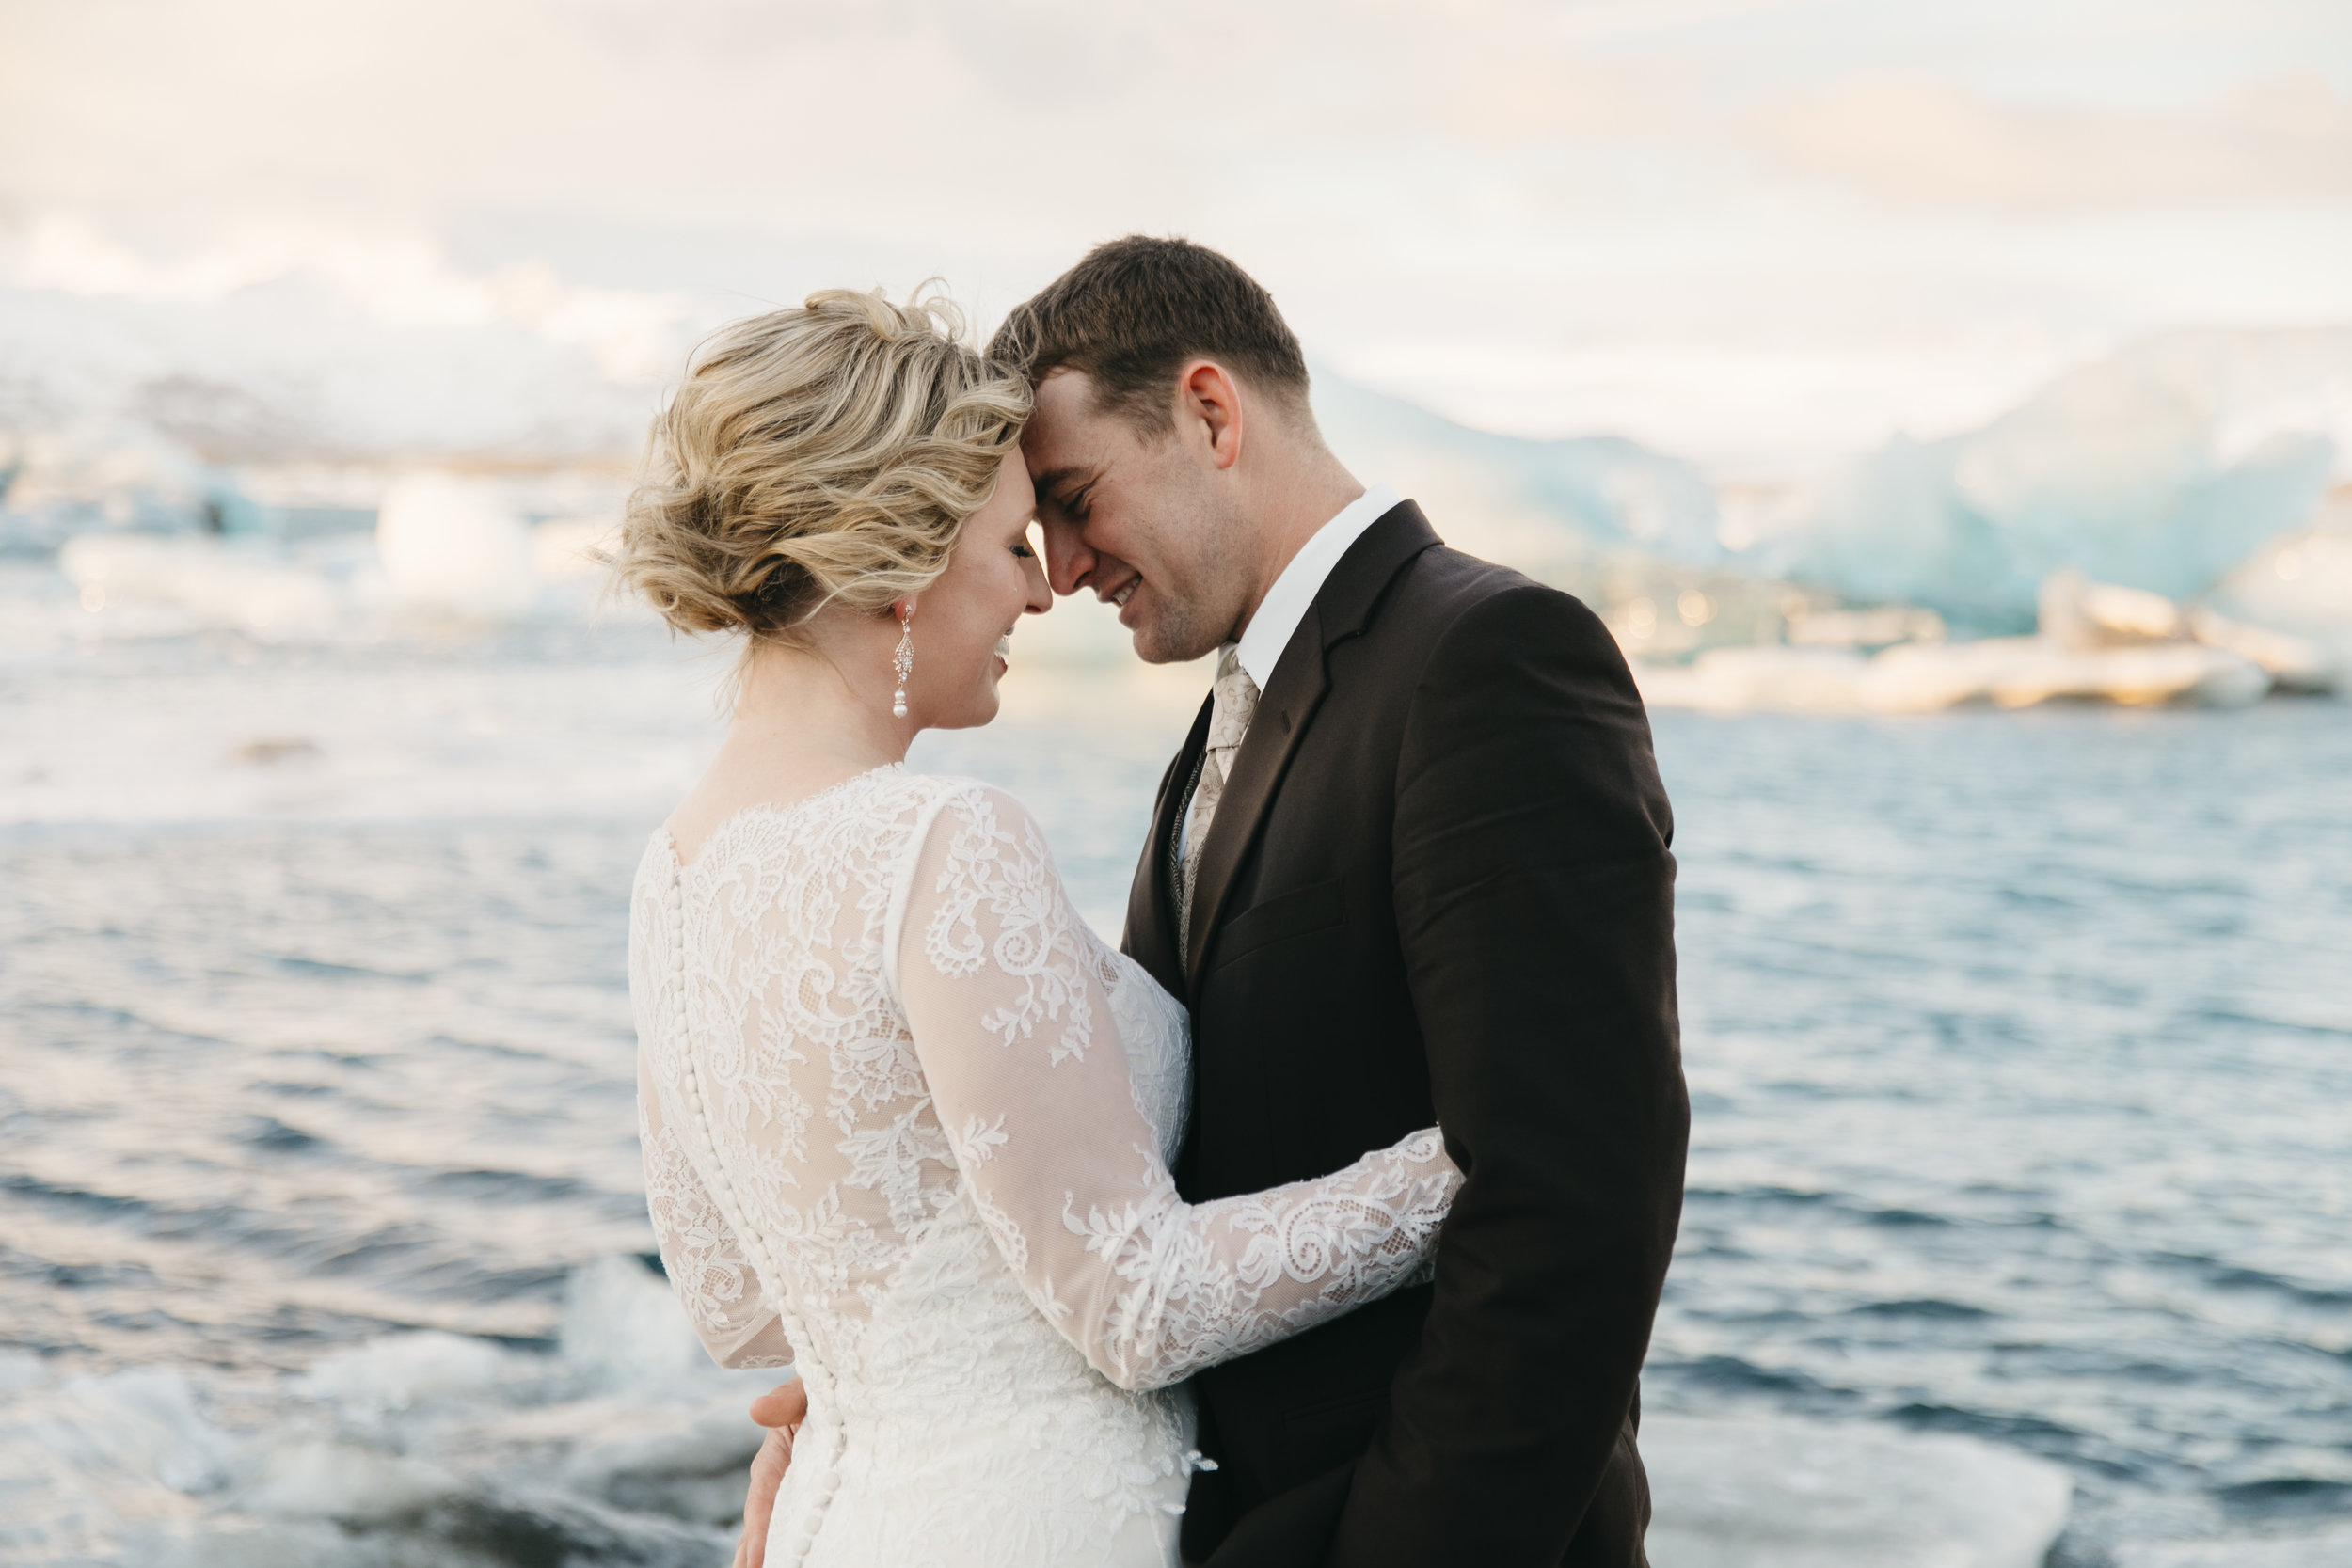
[(1007, 997), (714, 1281)]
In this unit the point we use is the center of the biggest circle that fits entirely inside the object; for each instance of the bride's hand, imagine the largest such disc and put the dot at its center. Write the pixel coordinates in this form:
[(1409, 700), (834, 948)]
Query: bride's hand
[(780, 1410)]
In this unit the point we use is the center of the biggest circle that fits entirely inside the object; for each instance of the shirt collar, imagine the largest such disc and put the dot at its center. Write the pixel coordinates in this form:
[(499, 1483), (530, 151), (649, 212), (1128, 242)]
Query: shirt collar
[(1285, 604)]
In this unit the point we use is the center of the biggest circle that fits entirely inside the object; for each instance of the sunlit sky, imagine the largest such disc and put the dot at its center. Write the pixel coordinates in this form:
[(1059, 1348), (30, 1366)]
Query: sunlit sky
[(1758, 233)]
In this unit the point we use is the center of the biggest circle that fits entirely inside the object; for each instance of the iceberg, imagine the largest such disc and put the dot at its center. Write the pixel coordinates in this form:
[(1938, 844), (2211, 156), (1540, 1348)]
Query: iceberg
[(2188, 466), (450, 547), (442, 547), (1774, 1492), (218, 584), (1552, 509), (2160, 468), (622, 1443), (2094, 642), (2330, 1550), (92, 472), (1998, 671), (412, 1448), (2299, 585), (88, 1459)]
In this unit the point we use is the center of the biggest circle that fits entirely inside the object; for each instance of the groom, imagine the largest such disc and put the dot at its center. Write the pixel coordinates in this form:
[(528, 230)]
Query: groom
[(1410, 866)]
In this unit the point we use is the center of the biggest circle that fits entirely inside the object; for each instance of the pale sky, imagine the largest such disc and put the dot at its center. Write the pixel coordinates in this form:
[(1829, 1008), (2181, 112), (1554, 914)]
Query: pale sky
[(1756, 232)]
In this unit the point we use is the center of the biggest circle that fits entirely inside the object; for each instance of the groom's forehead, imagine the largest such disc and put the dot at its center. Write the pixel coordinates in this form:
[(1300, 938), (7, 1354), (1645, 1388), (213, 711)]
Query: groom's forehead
[(1068, 436), (1065, 403)]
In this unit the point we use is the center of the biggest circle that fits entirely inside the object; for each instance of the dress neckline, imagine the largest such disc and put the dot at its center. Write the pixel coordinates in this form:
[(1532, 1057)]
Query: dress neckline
[(764, 808)]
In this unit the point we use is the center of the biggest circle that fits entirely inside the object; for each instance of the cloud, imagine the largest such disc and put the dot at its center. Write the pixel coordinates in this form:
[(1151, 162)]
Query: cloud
[(1573, 181), (398, 279), (1917, 140)]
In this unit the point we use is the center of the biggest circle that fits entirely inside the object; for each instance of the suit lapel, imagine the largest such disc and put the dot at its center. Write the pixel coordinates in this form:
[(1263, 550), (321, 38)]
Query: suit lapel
[(1284, 707), (1152, 938), (1342, 608)]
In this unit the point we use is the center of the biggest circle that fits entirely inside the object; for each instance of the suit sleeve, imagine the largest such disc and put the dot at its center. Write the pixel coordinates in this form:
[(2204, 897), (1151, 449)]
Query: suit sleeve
[(1534, 899)]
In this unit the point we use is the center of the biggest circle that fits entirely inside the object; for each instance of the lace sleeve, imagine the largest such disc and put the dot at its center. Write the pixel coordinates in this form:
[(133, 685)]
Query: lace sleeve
[(1005, 990), (714, 1281)]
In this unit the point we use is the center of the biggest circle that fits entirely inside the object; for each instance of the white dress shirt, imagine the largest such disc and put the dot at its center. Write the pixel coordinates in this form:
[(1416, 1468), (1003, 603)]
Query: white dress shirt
[(1285, 605)]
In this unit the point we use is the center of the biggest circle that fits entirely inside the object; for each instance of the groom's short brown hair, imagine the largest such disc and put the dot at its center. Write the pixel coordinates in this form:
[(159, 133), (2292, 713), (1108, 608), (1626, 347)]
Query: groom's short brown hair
[(1134, 309)]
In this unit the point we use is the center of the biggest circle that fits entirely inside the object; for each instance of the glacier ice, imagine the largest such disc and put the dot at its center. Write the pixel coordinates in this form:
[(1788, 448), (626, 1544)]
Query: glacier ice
[(398, 1453), (2160, 471), (219, 584), (625, 1444), (449, 545), (1774, 1492), (2095, 642), (1550, 508), (2328, 1550), (1999, 671), (2188, 466), (2161, 467), (2301, 584)]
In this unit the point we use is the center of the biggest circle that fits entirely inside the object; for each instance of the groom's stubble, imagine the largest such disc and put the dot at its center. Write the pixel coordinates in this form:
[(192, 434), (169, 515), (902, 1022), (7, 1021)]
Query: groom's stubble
[(1141, 513)]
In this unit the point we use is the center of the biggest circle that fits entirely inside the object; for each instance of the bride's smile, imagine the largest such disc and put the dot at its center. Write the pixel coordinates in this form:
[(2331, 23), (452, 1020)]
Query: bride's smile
[(908, 1123), (1125, 1258)]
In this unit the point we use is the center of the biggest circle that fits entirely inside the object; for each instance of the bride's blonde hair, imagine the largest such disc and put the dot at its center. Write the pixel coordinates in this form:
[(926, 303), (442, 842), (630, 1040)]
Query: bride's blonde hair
[(813, 456)]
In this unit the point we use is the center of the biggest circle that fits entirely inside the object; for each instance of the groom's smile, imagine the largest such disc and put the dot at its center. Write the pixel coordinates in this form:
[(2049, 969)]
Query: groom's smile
[(1121, 594), (1075, 456), (1136, 516)]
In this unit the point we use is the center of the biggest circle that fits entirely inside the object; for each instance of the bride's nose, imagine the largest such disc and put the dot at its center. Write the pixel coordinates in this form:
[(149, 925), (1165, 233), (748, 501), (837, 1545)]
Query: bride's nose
[(1040, 597)]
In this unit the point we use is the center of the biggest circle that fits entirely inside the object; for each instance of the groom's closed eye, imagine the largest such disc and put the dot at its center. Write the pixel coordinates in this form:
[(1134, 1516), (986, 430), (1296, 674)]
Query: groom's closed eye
[(1067, 492)]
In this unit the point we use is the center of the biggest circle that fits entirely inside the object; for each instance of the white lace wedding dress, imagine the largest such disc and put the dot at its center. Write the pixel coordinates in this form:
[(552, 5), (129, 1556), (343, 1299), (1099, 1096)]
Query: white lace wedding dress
[(907, 1125)]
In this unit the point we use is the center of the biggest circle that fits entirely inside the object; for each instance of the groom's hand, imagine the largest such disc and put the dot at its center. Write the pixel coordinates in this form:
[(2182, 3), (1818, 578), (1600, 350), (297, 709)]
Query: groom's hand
[(781, 1410)]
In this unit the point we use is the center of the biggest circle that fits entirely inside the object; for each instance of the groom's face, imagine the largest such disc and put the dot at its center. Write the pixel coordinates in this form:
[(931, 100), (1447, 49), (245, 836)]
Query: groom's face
[(1141, 520)]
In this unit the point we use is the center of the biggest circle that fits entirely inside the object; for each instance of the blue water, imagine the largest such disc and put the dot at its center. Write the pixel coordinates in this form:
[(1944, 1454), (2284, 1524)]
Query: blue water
[(2020, 1047)]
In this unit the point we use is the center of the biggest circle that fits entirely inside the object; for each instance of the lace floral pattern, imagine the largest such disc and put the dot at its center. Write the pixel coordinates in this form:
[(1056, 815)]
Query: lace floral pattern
[(907, 1122), (714, 1279)]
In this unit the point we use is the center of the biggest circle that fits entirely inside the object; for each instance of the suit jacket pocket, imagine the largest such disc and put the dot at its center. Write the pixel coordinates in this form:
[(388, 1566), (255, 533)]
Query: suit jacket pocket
[(1313, 908)]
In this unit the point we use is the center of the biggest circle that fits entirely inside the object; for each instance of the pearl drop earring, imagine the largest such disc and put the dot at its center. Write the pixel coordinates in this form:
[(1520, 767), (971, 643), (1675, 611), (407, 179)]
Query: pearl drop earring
[(903, 661)]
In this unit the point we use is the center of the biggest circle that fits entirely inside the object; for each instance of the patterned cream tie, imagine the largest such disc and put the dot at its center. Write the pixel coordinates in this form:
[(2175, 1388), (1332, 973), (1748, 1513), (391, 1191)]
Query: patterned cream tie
[(1232, 705)]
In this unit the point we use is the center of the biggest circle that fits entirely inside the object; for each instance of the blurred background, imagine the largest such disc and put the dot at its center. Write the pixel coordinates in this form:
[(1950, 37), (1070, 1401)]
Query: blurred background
[(1948, 407)]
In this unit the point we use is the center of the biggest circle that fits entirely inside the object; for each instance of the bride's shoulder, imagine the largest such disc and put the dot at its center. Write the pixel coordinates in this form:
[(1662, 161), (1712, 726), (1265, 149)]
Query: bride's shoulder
[(967, 799), (972, 822)]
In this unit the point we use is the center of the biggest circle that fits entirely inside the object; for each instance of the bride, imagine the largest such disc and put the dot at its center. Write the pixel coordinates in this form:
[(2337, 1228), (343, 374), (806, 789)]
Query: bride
[(908, 1123)]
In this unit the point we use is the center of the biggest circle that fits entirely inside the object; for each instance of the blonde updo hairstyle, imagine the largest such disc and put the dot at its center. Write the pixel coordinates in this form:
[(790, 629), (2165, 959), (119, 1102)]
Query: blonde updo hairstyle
[(822, 456)]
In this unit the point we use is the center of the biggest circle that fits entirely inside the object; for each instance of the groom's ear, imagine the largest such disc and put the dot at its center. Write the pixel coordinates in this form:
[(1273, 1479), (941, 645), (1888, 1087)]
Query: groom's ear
[(1209, 411)]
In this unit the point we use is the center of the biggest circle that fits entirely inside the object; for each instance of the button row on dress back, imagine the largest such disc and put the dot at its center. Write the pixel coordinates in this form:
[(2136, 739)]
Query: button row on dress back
[(829, 1479)]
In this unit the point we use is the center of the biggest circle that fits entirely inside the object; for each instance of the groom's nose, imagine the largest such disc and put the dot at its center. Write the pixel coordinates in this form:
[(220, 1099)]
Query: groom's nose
[(1069, 565)]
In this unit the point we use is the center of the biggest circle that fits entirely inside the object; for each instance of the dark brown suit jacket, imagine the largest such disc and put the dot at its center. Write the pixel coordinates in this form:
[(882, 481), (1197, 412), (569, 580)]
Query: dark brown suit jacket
[(1438, 889)]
